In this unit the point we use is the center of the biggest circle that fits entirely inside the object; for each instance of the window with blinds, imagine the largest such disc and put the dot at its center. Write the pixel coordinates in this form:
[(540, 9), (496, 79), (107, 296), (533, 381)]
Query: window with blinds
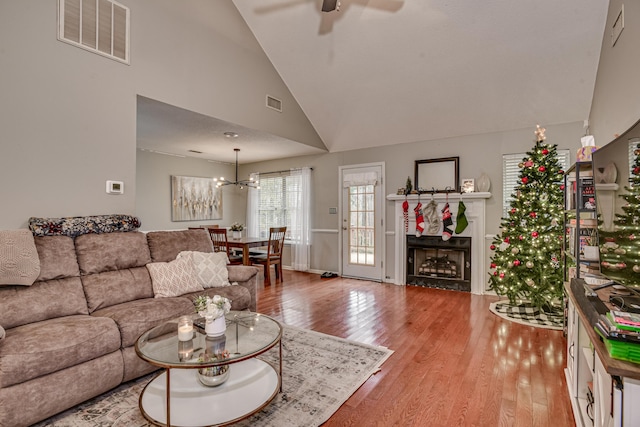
[(634, 144), (278, 204), (511, 172), (99, 26)]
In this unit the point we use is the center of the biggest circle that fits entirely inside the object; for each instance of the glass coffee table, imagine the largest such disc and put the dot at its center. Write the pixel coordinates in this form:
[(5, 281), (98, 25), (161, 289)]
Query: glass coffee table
[(210, 380)]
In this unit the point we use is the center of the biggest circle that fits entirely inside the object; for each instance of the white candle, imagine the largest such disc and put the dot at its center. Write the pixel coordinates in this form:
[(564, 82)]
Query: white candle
[(185, 332)]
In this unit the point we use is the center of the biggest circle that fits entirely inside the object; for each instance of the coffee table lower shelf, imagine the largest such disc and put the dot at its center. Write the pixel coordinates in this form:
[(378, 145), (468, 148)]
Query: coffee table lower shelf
[(252, 384)]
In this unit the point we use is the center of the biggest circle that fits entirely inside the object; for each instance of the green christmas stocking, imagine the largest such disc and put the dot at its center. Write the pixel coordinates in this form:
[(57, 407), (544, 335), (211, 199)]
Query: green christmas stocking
[(461, 219)]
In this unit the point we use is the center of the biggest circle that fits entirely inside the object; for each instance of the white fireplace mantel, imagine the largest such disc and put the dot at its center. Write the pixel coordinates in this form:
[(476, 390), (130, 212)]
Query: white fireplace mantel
[(475, 213)]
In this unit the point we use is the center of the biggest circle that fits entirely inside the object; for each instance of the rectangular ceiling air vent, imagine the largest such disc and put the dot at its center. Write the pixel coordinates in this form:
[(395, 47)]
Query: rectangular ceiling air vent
[(99, 26), (274, 103)]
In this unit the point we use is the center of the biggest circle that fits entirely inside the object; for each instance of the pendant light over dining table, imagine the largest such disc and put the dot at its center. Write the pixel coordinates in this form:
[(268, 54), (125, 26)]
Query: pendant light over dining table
[(222, 181)]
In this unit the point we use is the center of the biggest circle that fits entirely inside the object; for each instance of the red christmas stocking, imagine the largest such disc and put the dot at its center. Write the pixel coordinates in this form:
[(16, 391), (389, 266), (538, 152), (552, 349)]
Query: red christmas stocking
[(419, 220), (447, 222), (405, 213)]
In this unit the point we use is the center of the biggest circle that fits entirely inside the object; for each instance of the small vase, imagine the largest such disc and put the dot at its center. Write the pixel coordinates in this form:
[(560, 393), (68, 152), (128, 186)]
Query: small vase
[(237, 235), (483, 184), (214, 350), (215, 327)]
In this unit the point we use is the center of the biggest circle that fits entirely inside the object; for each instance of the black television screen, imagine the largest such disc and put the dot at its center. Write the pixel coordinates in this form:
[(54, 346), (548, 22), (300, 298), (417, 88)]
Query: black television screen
[(618, 208)]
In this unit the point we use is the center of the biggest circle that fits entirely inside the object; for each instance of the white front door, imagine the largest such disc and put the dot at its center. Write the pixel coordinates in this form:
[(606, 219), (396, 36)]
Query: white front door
[(362, 226)]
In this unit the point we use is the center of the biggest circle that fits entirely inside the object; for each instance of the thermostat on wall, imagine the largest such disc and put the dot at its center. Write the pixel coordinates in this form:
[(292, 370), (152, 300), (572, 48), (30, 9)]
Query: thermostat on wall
[(115, 187)]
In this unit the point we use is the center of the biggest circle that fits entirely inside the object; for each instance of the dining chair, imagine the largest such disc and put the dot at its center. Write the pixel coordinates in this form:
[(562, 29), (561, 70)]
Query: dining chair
[(220, 244), (273, 255)]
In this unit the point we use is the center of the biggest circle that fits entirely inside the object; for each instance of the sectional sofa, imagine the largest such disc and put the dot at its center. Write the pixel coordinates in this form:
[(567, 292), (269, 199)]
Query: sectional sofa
[(70, 336)]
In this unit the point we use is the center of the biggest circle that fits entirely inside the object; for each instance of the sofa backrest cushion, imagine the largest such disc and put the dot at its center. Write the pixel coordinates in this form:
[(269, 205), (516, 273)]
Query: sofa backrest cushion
[(165, 246), (112, 268), (43, 300), (57, 257), (111, 251)]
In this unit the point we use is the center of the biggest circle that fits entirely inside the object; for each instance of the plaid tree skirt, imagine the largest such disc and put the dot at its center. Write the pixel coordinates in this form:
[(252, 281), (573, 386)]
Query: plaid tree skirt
[(526, 314)]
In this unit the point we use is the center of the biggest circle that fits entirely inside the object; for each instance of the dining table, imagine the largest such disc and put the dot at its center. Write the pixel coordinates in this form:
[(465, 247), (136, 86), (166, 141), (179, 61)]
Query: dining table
[(245, 243)]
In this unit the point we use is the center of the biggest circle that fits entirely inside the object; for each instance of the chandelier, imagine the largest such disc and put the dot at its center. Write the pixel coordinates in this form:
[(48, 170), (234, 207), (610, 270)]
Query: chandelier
[(221, 182)]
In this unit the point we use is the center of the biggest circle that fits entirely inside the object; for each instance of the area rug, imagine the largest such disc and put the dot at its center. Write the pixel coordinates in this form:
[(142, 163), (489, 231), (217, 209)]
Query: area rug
[(320, 372), (526, 314)]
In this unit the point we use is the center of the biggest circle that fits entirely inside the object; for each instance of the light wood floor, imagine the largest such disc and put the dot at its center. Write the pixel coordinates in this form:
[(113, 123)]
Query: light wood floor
[(455, 363)]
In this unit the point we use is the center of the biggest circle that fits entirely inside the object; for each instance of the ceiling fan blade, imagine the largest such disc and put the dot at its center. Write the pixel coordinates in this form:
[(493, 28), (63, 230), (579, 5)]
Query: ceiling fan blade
[(329, 5)]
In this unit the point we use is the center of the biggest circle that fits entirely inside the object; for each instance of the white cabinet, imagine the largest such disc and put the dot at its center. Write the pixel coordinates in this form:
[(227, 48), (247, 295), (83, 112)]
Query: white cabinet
[(598, 398)]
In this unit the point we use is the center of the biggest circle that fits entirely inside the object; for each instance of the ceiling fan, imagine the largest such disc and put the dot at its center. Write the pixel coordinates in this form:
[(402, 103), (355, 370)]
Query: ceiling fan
[(326, 6), (330, 5)]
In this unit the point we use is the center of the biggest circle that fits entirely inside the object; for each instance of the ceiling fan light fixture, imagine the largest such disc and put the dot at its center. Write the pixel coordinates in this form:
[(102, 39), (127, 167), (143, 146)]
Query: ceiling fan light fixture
[(231, 135)]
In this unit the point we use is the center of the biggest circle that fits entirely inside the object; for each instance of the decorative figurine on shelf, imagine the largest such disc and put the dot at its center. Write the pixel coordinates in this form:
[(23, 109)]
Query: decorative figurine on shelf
[(408, 186)]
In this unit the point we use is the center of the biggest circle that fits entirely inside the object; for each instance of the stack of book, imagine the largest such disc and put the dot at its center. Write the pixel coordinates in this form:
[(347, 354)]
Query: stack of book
[(621, 333)]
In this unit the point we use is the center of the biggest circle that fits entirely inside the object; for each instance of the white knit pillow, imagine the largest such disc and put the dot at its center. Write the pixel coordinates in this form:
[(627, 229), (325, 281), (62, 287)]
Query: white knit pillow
[(210, 267), (19, 261), (172, 279)]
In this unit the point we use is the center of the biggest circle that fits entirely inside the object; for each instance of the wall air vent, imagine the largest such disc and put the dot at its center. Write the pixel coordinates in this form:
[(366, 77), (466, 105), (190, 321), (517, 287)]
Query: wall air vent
[(274, 103), (99, 26)]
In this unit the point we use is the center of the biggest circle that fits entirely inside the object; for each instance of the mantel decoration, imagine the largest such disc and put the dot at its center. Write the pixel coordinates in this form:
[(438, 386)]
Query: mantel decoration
[(236, 229), (213, 311)]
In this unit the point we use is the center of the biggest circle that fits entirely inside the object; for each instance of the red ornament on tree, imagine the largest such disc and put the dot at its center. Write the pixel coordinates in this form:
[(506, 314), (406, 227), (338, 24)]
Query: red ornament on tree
[(532, 214), (632, 237), (502, 275), (495, 273), (562, 187), (542, 169), (513, 210), (636, 170), (545, 151), (534, 234), (525, 179), (492, 247), (528, 163), (493, 265), (506, 240), (521, 237), (516, 262)]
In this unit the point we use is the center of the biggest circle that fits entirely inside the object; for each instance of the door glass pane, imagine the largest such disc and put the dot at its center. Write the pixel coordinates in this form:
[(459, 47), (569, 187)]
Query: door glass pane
[(361, 226)]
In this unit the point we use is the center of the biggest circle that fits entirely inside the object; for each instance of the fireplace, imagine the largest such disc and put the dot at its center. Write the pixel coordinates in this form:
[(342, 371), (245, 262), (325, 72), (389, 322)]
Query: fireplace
[(473, 276), (436, 263)]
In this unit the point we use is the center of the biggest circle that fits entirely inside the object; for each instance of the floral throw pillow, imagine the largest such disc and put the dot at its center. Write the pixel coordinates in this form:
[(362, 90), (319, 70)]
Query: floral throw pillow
[(210, 267), (172, 279)]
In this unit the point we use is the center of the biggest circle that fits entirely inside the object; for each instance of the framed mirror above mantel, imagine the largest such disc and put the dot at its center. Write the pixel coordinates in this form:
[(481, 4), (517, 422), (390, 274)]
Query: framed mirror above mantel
[(437, 175)]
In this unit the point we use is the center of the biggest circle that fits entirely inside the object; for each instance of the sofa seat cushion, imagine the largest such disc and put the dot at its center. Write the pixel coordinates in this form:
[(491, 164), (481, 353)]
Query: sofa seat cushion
[(135, 317), (239, 295), (37, 349)]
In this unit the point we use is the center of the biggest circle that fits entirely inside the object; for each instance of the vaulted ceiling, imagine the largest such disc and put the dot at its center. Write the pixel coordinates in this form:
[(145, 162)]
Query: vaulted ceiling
[(380, 72)]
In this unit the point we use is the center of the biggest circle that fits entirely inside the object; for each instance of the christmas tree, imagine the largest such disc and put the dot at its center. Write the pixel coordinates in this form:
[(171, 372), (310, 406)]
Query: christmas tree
[(525, 263), (620, 254)]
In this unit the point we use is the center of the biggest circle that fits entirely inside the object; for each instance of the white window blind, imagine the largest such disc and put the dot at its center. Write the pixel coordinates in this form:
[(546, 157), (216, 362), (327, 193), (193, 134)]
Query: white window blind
[(511, 172), (633, 145), (278, 203)]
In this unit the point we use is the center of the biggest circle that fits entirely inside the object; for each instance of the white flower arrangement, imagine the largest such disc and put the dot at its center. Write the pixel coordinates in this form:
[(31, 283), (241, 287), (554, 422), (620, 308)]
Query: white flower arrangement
[(236, 226), (212, 308)]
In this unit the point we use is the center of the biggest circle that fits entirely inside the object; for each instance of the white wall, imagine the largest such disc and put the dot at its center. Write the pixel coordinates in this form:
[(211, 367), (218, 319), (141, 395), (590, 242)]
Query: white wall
[(616, 98), (68, 116)]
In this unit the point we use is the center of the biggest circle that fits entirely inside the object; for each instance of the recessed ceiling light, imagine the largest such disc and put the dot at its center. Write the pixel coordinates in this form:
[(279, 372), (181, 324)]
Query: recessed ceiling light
[(231, 134)]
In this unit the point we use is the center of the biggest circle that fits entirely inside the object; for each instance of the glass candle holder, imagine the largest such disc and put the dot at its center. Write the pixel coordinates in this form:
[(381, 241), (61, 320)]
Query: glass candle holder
[(185, 328)]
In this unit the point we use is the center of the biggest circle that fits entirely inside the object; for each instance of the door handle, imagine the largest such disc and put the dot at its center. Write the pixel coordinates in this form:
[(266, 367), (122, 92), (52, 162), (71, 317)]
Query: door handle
[(344, 228)]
